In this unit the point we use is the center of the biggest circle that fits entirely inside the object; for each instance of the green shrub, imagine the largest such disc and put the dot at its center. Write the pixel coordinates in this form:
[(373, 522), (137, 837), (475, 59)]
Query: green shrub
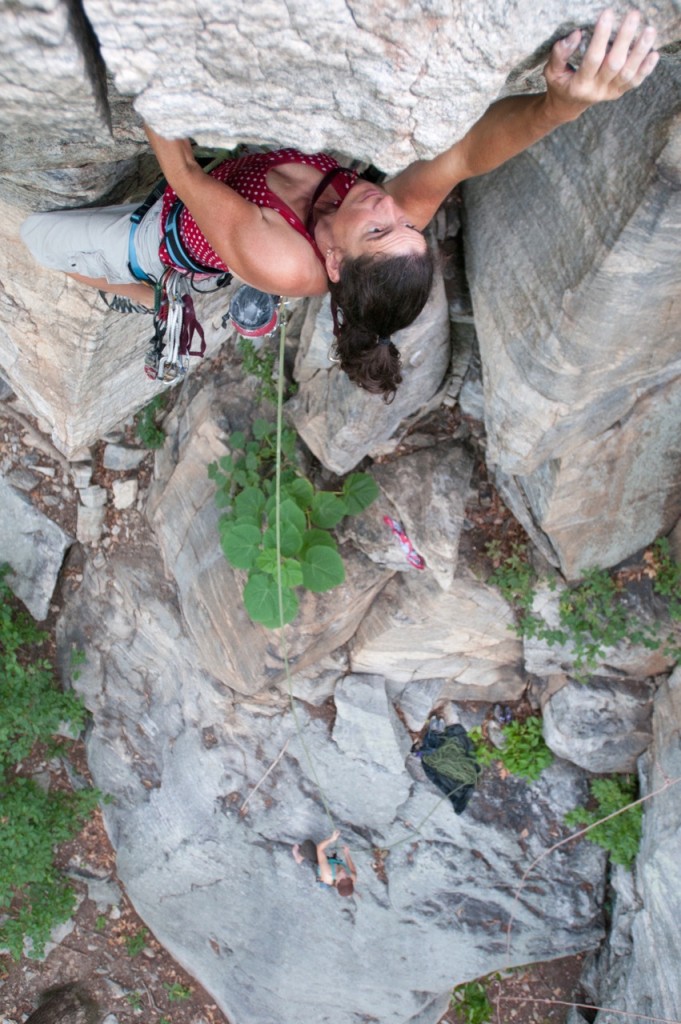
[(470, 1003), (245, 490), (149, 433), (621, 835), (34, 897), (177, 992), (524, 753), (135, 943), (592, 614)]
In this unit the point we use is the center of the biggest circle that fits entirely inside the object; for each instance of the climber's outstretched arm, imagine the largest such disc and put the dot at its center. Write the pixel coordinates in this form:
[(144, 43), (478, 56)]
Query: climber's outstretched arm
[(511, 125)]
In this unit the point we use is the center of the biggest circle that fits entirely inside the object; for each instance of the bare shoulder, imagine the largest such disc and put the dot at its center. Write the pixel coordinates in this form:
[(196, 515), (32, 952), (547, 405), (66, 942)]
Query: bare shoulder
[(280, 261), (422, 186)]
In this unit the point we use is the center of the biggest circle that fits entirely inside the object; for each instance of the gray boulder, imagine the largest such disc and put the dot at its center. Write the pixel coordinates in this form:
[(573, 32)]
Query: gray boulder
[(416, 631), (603, 725), (383, 81), (182, 511), (638, 968), (34, 547), (426, 493)]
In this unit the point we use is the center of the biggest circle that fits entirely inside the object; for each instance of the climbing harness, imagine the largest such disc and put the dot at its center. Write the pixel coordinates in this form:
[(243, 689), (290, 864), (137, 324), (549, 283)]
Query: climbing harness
[(175, 321)]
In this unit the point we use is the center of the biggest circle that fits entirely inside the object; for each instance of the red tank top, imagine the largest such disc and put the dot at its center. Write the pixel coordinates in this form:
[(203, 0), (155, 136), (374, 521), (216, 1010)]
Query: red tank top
[(248, 176)]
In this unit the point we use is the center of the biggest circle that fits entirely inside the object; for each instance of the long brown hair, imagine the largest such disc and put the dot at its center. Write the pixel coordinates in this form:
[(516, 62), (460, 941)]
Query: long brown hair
[(374, 297)]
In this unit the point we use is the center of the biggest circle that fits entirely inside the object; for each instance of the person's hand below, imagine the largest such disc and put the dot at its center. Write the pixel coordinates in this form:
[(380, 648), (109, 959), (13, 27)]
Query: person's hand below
[(606, 72)]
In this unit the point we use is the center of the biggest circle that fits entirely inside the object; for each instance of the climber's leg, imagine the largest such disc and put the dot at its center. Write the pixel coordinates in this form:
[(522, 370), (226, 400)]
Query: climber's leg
[(138, 292)]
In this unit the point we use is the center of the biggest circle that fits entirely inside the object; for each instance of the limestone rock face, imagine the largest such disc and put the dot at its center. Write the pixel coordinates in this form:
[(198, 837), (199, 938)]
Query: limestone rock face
[(426, 493), (602, 726), (582, 408), (182, 512), (194, 858), (461, 636), (386, 82), (34, 548), (628, 977)]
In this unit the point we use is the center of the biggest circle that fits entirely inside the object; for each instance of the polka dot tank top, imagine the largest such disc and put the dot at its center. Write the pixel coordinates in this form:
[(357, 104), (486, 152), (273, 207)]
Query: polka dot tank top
[(248, 176)]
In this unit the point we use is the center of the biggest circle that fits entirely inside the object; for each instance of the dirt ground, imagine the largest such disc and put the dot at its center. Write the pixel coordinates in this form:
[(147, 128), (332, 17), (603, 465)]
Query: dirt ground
[(108, 948)]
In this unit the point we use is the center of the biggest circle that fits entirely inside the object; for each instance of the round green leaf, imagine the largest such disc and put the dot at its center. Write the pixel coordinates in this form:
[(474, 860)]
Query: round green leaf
[(267, 562), (241, 543), (250, 502), (236, 440), (261, 428), (291, 573), (261, 598), (319, 538), (327, 509), (323, 569), (291, 539), (359, 490), (301, 491), (289, 512)]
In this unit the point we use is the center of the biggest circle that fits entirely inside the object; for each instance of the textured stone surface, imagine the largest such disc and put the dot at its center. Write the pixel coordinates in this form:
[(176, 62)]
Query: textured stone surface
[(193, 858), (415, 631), (53, 79), (425, 492), (33, 546), (385, 81), (602, 726), (638, 970), (582, 410), (628, 659), (184, 517), (340, 422)]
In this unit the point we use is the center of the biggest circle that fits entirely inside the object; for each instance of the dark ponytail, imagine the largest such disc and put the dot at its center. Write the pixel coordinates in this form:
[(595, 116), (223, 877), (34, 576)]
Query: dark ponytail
[(375, 297)]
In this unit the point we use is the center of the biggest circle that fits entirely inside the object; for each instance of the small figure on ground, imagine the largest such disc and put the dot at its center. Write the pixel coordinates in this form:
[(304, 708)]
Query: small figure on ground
[(332, 871)]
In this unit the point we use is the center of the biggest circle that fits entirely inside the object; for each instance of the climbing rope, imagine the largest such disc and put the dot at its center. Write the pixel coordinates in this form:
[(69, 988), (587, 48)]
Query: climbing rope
[(457, 766), (283, 316)]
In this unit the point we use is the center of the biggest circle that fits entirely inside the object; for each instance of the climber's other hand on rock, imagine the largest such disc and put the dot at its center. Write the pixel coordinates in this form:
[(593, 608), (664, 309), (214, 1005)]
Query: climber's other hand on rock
[(607, 70)]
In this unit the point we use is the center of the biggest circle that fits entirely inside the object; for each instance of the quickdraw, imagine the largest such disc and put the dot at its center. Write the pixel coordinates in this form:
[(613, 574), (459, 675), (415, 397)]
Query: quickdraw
[(175, 325), (412, 555)]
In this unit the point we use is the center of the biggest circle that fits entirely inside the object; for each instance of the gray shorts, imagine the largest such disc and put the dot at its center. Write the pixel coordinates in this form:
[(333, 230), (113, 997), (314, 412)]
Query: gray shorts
[(94, 242)]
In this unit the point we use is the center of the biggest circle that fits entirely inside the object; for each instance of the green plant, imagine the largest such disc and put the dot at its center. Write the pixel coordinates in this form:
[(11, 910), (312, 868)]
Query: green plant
[(261, 366), (164, 1020), (177, 992), (470, 1003), (100, 923), (149, 433), (245, 490), (134, 999), (592, 613), (524, 752), (621, 835), (136, 942), (667, 577), (77, 658), (34, 896)]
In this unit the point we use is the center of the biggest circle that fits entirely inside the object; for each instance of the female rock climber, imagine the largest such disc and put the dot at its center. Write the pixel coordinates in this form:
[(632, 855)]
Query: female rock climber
[(332, 872), (297, 225)]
